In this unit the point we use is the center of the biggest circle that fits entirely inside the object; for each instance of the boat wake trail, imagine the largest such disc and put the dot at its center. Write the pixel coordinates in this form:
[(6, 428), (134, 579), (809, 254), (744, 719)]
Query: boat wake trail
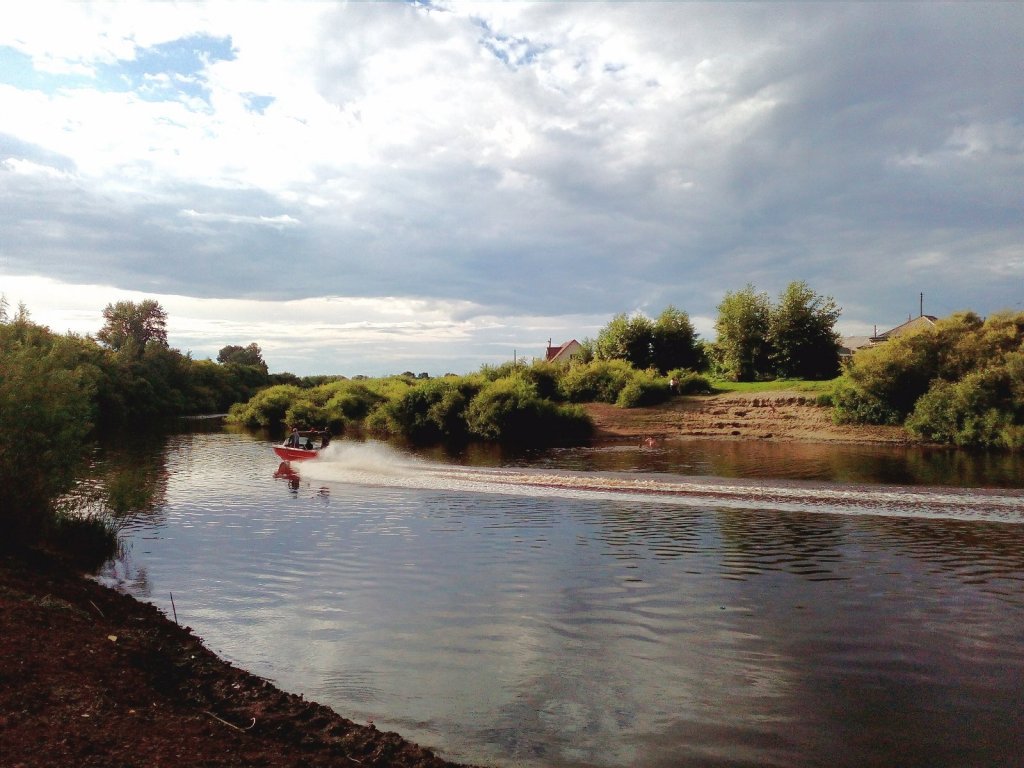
[(376, 464)]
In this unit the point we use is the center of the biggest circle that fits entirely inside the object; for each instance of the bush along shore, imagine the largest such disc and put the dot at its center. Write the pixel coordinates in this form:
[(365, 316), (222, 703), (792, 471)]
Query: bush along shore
[(91, 677)]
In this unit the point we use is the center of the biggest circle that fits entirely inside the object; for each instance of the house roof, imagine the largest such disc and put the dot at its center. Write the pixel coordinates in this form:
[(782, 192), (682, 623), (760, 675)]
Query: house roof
[(563, 351), (921, 321)]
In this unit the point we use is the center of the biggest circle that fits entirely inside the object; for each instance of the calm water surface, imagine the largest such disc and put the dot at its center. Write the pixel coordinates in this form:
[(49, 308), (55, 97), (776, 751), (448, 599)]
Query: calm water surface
[(699, 605)]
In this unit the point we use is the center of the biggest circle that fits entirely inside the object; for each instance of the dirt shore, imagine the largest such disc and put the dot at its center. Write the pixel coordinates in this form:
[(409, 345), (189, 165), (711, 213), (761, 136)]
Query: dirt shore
[(777, 415), (91, 677)]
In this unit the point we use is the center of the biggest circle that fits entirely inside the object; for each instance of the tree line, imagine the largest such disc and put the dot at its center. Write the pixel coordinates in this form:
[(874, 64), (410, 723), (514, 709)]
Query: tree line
[(756, 338), (57, 391), (961, 382)]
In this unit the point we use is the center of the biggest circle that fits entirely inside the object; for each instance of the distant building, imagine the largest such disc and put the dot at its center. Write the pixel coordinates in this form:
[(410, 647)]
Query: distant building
[(565, 353), (850, 344)]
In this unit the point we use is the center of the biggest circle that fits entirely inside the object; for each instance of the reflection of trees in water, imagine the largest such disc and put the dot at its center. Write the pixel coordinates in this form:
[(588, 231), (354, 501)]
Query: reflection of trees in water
[(832, 462), (122, 478)]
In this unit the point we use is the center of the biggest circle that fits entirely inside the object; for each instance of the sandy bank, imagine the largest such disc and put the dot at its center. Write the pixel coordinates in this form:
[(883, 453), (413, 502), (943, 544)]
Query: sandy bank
[(776, 415)]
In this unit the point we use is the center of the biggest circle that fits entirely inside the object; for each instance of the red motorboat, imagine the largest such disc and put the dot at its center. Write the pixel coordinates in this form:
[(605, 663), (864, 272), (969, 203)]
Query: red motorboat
[(288, 453), (298, 446)]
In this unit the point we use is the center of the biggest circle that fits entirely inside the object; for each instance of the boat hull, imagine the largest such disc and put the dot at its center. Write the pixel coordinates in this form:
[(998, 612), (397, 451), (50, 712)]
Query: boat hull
[(295, 454)]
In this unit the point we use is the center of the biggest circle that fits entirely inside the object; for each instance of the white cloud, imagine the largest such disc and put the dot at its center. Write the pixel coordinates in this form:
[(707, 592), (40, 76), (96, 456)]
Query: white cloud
[(539, 159)]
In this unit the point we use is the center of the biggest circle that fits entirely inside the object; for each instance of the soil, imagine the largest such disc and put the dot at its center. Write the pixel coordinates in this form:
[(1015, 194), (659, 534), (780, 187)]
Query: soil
[(92, 677), (776, 415)]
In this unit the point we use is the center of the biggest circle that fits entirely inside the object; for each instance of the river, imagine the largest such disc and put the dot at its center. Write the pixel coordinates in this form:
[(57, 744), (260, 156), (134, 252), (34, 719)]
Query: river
[(698, 604)]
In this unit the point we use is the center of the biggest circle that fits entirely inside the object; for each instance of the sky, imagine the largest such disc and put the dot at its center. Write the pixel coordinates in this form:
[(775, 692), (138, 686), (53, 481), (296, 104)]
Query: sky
[(376, 187)]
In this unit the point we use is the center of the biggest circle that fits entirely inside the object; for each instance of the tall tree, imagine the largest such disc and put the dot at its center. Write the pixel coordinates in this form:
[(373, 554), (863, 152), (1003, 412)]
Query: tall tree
[(250, 355), (130, 327), (743, 347), (674, 342), (804, 342), (626, 338)]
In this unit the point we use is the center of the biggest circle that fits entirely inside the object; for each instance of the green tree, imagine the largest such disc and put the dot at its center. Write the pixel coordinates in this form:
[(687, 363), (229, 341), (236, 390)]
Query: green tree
[(45, 414), (251, 356), (802, 336), (626, 338), (743, 349), (129, 327), (674, 342)]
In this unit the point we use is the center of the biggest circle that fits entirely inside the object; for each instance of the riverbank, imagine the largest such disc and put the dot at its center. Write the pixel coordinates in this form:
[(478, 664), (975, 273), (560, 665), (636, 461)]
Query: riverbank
[(92, 677), (785, 415)]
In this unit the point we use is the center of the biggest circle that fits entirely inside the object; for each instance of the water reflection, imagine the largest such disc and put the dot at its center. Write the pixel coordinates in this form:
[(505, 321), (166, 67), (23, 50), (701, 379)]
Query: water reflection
[(537, 629), (832, 462)]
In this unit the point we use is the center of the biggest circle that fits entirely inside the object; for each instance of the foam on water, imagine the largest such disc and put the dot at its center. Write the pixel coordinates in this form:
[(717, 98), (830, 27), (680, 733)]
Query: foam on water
[(376, 464)]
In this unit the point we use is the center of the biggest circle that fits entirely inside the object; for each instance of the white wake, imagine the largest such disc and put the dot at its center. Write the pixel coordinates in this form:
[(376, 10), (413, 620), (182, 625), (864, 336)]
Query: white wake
[(377, 464)]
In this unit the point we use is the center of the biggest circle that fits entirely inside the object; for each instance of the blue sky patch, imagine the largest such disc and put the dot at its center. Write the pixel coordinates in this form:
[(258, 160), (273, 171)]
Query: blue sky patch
[(255, 102), (168, 71)]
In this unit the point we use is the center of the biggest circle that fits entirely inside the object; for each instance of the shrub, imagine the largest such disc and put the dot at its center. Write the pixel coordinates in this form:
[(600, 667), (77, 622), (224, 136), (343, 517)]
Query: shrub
[(979, 410), (645, 388), (352, 401), (45, 413), (600, 381), (545, 377), (691, 382), (267, 408), (854, 405), (305, 413), (510, 411), (432, 411)]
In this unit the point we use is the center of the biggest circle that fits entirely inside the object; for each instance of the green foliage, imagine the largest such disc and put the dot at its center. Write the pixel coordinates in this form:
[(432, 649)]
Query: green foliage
[(130, 328), (691, 383), (985, 408), (46, 412), (545, 377), (86, 541), (599, 381), (855, 405), (743, 350), (430, 412), (626, 338), (795, 338), (250, 356), (674, 343), (349, 401), (802, 336), (510, 411), (644, 388), (266, 408), (960, 382), (666, 343)]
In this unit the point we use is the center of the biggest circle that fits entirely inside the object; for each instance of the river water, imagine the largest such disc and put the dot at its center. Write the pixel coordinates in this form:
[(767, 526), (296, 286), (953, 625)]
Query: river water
[(701, 604)]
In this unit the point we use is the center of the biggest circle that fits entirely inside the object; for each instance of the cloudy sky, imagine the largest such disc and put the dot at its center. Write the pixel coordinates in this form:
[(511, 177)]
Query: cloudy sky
[(376, 187)]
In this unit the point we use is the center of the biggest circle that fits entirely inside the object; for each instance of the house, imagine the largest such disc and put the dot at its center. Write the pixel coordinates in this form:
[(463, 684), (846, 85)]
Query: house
[(850, 344), (564, 354)]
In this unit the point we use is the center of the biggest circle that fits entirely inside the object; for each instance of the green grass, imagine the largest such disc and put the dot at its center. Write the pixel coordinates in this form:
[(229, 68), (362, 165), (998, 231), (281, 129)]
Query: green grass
[(800, 385)]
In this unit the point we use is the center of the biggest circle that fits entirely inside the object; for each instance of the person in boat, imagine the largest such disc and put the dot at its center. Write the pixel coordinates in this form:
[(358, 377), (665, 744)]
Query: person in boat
[(293, 438), (325, 437)]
